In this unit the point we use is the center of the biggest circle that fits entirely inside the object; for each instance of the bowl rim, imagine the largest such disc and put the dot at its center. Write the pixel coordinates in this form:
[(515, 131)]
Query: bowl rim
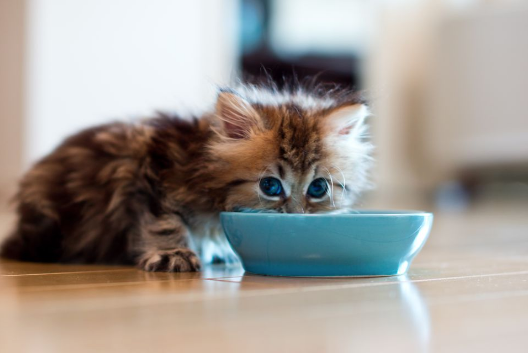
[(361, 214)]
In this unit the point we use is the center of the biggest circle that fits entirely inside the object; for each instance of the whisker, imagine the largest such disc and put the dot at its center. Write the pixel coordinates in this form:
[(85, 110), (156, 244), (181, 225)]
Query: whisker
[(343, 184), (331, 187), (261, 175)]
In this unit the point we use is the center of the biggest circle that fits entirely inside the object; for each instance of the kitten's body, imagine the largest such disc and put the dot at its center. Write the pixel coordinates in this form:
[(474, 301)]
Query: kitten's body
[(144, 193)]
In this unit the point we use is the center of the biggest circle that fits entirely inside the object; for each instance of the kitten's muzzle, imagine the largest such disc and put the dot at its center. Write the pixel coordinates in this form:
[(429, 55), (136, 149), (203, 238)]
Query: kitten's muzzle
[(293, 207)]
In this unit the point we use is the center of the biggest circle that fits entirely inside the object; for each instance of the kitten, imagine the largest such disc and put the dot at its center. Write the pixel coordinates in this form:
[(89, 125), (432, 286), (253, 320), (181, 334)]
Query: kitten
[(147, 193)]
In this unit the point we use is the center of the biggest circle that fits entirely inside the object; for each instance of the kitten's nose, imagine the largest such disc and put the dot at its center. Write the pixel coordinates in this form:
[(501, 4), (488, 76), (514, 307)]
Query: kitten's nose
[(294, 207)]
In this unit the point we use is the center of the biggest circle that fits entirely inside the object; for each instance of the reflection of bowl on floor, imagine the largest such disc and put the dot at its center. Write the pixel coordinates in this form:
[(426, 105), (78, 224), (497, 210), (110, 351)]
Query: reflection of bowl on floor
[(366, 243)]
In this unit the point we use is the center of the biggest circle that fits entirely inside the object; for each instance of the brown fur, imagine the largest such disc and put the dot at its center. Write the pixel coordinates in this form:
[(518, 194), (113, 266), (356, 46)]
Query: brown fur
[(136, 193)]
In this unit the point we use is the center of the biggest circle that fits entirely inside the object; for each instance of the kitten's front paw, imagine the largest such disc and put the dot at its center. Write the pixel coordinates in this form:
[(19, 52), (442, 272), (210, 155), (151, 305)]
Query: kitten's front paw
[(176, 260)]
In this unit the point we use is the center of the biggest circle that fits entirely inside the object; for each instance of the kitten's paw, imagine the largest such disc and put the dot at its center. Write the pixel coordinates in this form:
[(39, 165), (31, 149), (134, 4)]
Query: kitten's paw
[(176, 260)]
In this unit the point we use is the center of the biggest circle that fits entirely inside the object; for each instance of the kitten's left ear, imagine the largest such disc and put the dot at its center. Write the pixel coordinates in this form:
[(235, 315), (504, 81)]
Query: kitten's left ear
[(346, 120), (238, 118)]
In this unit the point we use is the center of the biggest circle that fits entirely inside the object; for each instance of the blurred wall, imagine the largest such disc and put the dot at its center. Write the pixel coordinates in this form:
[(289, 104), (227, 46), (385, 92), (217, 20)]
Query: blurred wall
[(478, 112), (90, 61), (396, 70), (448, 80), (69, 64), (12, 31)]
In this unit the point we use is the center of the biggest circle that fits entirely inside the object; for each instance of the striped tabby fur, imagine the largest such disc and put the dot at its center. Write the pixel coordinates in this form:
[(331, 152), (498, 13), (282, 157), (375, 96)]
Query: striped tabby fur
[(149, 192)]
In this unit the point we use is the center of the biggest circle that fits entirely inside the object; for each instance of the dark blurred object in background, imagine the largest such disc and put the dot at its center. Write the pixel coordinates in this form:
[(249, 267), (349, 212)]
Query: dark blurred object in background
[(261, 56)]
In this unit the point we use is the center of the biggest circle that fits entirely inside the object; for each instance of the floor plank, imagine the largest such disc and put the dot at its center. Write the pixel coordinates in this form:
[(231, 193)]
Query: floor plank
[(466, 292), (407, 315)]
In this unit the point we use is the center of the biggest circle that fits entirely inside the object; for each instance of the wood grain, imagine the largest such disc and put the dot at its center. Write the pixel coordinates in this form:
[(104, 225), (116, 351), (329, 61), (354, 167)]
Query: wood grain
[(466, 292)]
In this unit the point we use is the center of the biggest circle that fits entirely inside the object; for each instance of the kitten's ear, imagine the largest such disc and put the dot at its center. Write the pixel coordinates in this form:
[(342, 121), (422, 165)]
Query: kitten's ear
[(346, 120), (237, 116)]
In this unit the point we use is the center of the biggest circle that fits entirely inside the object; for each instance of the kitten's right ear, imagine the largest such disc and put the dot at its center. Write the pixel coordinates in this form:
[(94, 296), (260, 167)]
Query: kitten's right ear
[(237, 116)]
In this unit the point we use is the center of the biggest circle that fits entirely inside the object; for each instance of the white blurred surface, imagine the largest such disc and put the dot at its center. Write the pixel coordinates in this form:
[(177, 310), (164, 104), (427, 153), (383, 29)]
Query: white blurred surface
[(480, 112), (91, 61), (332, 26)]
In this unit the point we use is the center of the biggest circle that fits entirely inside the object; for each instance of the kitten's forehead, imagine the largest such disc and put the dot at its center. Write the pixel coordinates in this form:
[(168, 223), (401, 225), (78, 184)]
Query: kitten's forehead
[(298, 136), (295, 175)]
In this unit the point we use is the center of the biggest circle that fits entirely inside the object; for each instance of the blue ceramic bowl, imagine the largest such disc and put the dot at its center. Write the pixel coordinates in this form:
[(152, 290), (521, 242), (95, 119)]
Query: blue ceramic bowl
[(366, 243)]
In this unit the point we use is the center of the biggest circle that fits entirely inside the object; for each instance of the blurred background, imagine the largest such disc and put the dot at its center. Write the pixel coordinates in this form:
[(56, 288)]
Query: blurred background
[(447, 80)]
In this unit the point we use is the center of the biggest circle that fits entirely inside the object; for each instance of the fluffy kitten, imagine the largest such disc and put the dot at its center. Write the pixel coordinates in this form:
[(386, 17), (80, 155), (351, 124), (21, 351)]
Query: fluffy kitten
[(148, 193)]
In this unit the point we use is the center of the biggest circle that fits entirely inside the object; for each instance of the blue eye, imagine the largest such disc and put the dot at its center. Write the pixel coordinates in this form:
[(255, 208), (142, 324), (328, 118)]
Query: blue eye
[(318, 188), (271, 186)]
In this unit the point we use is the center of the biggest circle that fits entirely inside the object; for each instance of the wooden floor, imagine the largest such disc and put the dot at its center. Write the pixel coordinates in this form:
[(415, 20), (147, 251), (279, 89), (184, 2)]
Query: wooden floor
[(466, 292)]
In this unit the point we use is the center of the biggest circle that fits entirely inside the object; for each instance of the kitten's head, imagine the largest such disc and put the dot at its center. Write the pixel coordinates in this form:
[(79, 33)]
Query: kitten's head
[(294, 151)]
